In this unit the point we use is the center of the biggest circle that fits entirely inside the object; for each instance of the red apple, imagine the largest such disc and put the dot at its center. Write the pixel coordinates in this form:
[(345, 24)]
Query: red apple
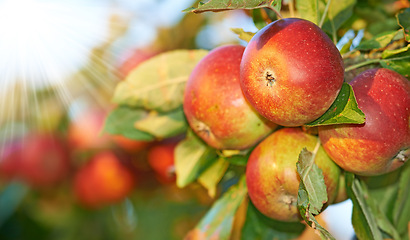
[(214, 104), (44, 160), (291, 72), (130, 145), (103, 180), (271, 175), (161, 159), (382, 143), (10, 159)]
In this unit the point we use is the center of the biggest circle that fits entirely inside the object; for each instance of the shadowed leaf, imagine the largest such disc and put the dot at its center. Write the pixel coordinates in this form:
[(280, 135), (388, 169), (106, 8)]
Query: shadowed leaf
[(224, 5)]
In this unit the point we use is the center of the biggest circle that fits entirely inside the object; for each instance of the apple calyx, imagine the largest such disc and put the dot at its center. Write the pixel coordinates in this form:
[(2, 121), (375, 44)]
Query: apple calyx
[(402, 156), (202, 127), (270, 78)]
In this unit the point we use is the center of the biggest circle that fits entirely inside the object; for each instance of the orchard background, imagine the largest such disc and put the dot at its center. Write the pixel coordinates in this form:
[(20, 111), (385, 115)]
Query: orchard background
[(95, 143)]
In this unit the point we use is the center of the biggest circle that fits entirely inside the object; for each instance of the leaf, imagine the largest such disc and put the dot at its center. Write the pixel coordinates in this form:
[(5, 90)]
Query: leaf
[(121, 121), (260, 18), (224, 5), (399, 63), (363, 220), (379, 41), (403, 19), (343, 110), (303, 206), (246, 36), (257, 227), (192, 157), (311, 177), (401, 218), (308, 9), (10, 198), (389, 53), (218, 221), (212, 175), (163, 125), (339, 12), (158, 83)]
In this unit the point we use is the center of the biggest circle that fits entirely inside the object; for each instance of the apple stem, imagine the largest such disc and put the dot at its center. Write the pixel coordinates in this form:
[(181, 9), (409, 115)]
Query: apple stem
[(324, 13)]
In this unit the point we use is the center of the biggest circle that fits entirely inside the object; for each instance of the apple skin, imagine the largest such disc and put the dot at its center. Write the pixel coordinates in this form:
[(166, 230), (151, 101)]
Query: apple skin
[(272, 178), (44, 160), (214, 104), (103, 180), (10, 159), (371, 148), (162, 161), (291, 72), (130, 145)]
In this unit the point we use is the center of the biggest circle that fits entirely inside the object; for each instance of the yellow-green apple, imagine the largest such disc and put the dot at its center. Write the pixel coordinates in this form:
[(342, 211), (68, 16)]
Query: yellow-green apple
[(291, 72), (103, 180), (214, 104), (44, 160), (271, 175), (382, 143)]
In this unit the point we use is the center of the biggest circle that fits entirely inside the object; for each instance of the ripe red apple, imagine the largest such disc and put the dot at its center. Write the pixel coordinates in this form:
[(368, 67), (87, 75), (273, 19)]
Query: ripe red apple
[(10, 159), (271, 174), (161, 159), (291, 72), (44, 160), (103, 180), (214, 104), (382, 143)]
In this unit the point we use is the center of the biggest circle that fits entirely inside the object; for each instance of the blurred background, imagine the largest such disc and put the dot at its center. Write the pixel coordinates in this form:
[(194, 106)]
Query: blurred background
[(60, 176)]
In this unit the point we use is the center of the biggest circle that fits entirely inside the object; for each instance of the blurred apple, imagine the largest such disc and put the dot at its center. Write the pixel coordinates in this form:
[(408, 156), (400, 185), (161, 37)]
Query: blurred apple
[(103, 180), (44, 160), (85, 129), (161, 159), (10, 159), (130, 145)]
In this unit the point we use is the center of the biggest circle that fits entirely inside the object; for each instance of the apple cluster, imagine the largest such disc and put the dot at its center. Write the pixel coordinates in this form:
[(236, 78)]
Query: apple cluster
[(288, 75)]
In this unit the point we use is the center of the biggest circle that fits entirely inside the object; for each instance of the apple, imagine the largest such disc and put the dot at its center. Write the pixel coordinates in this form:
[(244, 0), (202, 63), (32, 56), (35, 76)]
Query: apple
[(84, 131), (103, 180), (130, 145), (44, 160), (162, 161), (272, 178), (10, 159), (214, 104), (291, 72), (382, 143)]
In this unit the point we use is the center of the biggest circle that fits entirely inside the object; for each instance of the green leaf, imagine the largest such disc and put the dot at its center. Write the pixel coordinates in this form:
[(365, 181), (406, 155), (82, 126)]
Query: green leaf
[(246, 36), (403, 19), (258, 18), (303, 206), (158, 83), (308, 9), (224, 5), (121, 122), (218, 222), (389, 53), (259, 227), (401, 218), (163, 125), (399, 63), (10, 198), (192, 157), (363, 220), (212, 175), (379, 41), (312, 192), (343, 110), (338, 13), (311, 177)]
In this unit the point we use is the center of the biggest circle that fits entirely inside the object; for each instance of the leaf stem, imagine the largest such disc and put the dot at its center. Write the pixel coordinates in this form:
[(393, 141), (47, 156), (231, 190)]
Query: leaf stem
[(276, 11), (324, 13), (352, 67), (314, 152)]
